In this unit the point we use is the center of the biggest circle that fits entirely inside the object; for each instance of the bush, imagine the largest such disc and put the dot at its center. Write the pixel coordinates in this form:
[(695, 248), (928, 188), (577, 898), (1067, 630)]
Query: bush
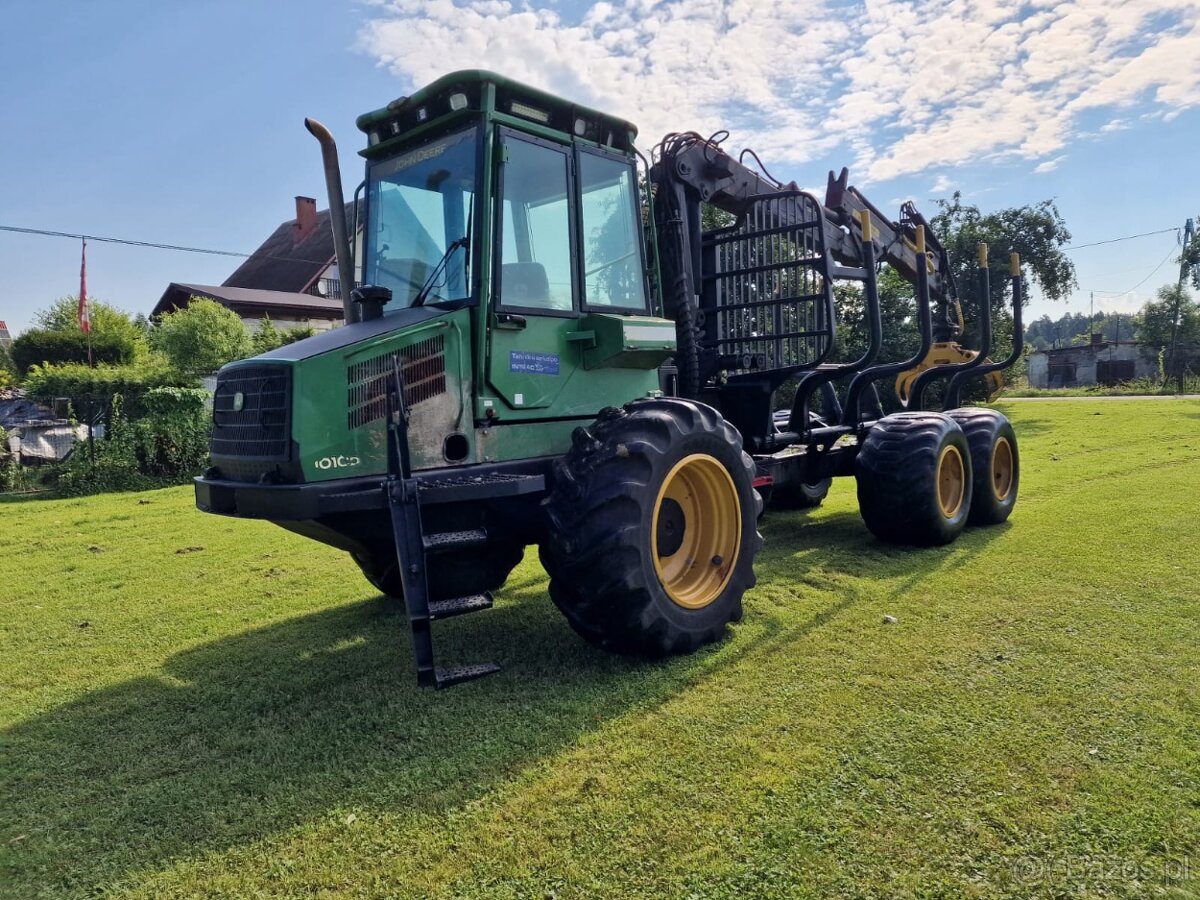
[(172, 440), (8, 369), (166, 446), (202, 337), (12, 476), (40, 347), (80, 382)]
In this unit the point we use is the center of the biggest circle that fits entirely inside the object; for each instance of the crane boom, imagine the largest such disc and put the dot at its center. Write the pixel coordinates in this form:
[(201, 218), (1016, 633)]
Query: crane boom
[(712, 176)]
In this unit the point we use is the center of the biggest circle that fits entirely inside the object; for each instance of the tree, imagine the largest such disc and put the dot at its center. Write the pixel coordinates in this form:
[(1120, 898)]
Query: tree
[(63, 316), (1172, 323), (1037, 232), (1189, 261), (897, 313), (201, 338), (8, 371), (268, 337)]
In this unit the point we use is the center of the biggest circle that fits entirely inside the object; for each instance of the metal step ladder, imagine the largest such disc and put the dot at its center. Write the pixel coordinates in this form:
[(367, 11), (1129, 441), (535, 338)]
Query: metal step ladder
[(415, 549)]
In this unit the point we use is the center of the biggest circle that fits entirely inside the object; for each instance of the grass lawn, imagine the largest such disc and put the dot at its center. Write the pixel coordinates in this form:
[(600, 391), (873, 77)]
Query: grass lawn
[(196, 706)]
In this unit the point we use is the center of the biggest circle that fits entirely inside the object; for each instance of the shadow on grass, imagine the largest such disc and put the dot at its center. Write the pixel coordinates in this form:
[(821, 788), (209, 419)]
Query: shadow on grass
[(1027, 427), (827, 552), (300, 723), (27, 497), (281, 727)]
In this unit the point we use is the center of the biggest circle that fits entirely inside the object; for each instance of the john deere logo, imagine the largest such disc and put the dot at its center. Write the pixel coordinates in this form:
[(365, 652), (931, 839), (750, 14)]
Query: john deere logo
[(239, 401)]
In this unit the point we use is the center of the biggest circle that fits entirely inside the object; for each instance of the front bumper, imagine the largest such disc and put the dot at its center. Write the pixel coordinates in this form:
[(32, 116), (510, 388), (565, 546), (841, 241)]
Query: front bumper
[(527, 478), (290, 502)]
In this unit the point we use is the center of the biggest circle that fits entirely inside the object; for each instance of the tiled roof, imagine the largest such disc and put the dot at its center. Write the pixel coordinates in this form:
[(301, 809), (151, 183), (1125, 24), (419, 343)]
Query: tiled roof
[(249, 301), (284, 264)]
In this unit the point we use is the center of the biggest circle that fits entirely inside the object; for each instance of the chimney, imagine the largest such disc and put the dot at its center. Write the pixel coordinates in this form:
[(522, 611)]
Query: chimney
[(306, 218)]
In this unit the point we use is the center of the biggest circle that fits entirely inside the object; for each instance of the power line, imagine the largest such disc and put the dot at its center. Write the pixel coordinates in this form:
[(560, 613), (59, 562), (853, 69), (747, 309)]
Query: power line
[(112, 240), (1140, 283), (211, 252), (1117, 240)]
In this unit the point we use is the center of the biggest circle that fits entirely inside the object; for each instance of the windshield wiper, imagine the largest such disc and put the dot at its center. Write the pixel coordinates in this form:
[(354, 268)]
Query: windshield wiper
[(423, 294)]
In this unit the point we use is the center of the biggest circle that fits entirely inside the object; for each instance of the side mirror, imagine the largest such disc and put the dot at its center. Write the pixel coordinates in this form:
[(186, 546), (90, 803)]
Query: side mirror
[(371, 298)]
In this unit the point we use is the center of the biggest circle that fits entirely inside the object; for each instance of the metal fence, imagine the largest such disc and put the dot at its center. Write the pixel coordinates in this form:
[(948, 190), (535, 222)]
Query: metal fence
[(39, 438)]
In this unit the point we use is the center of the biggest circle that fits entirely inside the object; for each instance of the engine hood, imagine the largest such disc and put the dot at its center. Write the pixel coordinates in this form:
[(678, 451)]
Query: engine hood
[(348, 335)]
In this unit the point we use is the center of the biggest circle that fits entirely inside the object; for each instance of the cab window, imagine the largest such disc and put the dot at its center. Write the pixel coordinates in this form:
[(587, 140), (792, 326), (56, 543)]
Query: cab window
[(612, 255), (535, 228)]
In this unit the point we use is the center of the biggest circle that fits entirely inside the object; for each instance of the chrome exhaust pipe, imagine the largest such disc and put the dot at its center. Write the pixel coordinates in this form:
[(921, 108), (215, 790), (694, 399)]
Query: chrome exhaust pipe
[(337, 215)]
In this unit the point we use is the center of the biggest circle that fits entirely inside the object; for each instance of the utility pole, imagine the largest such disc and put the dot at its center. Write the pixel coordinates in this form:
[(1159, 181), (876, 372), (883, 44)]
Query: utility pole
[(1189, 232)]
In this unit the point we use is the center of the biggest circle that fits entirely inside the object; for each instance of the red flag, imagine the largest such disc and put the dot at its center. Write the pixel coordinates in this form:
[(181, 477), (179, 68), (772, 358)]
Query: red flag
[(85, 320)]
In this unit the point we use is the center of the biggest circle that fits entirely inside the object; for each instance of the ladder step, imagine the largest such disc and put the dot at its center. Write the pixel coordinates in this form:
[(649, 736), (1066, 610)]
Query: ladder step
[(444, 609), (453, 675), (456, 489), (454, 540)]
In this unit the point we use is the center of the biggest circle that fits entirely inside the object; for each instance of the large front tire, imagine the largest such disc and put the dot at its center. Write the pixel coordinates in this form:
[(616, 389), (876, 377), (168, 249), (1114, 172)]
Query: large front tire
[(914, 479), (651, 538)]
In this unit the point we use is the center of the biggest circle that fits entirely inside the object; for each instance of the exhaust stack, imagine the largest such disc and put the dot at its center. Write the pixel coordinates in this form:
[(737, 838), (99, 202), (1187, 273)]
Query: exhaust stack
[(337, 214)]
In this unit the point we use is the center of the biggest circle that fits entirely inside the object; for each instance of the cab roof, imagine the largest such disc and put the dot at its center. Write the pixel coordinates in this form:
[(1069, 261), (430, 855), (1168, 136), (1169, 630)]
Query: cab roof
[(473, 81)]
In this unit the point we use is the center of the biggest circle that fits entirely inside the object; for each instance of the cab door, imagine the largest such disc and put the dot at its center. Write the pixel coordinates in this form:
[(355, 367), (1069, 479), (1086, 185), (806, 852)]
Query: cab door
[(535, 310)]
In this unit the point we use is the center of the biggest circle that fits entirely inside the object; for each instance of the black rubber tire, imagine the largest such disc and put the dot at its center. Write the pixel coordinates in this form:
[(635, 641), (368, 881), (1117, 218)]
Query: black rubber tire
[(897, 475), (451, 575), (985, 428), (799, 495), (599, 549)]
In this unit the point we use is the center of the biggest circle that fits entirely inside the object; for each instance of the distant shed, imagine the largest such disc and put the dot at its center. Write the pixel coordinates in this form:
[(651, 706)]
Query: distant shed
[(1100, 362)]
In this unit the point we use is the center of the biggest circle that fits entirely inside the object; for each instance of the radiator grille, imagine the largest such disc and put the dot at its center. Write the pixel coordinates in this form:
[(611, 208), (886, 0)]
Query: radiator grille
[(251, 413), (423, 367)]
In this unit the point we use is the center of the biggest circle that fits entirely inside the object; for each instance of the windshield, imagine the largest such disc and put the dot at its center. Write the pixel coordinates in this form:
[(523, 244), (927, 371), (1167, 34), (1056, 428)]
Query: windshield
[(421, 212)]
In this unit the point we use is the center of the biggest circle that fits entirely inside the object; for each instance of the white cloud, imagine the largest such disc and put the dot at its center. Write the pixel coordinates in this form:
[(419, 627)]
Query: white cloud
[(1049, 165), (941, 185), (900, 86)]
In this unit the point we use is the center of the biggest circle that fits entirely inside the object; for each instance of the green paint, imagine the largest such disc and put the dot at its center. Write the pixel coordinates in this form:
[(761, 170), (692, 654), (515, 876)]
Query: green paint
[(627, 342), (507, 374)]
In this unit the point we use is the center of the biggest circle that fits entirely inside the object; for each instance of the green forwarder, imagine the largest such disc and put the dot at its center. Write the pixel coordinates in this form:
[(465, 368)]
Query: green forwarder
[(540, 354)]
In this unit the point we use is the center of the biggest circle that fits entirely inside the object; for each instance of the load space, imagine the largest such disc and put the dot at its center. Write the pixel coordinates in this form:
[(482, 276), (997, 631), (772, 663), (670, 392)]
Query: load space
[(552, 349)]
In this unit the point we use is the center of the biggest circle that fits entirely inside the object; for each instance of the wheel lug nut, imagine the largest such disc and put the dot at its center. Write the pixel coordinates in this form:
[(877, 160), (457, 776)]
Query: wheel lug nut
[(716, 560)]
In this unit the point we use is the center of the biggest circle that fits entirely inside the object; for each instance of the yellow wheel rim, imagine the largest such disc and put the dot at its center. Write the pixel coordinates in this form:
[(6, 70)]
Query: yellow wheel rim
[(951, 481), (1002, 468), (696, 531)]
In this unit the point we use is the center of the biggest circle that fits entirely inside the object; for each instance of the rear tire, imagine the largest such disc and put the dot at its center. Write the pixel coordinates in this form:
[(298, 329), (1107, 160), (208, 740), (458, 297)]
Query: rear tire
[(995, 461), (914, 479), (799, 495), (651, 537)]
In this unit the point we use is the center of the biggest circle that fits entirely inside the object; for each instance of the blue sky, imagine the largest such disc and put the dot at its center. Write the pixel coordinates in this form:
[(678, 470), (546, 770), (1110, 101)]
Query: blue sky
[(182, 122)]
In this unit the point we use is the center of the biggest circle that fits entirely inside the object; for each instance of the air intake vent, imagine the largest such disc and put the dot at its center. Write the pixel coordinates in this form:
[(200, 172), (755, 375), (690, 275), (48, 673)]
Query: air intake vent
[(251, 407), (423, 367)]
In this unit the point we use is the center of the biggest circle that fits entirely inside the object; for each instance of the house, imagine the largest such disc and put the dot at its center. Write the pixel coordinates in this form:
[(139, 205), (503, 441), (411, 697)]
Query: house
[(286, 310), (5, 337), (298, 257), (292, 277), (1099, 362)]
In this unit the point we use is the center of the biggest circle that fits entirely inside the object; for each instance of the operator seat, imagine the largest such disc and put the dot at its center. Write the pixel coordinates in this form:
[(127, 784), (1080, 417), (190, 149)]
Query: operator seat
[(524, 284)]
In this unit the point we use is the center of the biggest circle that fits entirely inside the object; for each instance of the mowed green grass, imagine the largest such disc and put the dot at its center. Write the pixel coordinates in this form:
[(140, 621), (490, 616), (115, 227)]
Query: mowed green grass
[(197, 706)]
